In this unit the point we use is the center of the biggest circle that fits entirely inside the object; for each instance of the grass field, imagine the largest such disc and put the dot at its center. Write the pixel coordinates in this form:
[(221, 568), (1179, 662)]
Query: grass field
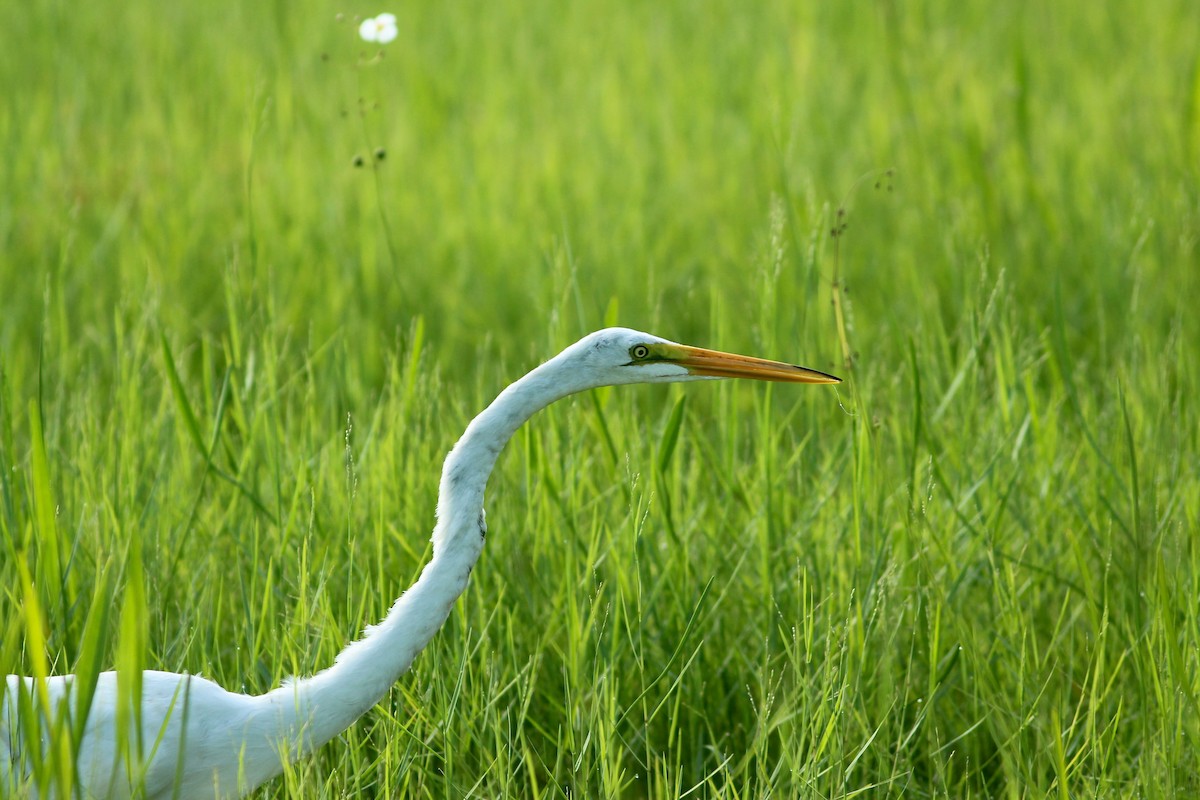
[(231, 361)]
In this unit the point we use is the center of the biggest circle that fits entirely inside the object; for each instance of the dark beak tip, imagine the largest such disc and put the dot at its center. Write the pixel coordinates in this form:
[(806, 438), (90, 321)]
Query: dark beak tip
[(828, 377)]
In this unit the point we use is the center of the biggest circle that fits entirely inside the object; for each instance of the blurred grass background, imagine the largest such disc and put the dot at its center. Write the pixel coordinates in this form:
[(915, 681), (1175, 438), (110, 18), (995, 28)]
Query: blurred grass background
[(973, 571)]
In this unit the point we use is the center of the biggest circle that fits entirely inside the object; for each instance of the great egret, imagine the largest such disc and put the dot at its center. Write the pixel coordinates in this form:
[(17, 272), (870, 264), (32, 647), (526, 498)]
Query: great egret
[(203, 742)]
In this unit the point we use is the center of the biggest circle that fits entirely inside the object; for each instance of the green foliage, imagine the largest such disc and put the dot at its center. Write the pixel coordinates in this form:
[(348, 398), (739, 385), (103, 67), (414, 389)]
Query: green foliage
[(231, 361)]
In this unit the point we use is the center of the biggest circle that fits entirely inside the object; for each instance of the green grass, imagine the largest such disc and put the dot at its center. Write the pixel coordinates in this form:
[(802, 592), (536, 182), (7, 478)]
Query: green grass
[(231, 362)]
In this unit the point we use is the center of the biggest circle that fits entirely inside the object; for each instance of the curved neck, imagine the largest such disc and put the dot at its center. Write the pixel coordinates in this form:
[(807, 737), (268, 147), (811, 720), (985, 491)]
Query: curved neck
[(470, 462), (328, 702)]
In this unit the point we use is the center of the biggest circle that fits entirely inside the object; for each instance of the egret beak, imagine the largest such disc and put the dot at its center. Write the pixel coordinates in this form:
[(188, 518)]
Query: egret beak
[(715, 364)]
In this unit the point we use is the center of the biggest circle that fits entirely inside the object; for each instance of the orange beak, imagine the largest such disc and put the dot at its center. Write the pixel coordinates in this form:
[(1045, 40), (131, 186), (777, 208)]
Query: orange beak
[(715, 364)]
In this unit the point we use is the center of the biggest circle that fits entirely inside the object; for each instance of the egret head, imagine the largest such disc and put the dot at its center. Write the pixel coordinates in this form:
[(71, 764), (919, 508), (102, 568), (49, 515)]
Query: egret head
[(620, 355)]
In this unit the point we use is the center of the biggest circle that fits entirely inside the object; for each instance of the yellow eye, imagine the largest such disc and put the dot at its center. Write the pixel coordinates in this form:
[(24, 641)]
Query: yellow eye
[(639, 351)]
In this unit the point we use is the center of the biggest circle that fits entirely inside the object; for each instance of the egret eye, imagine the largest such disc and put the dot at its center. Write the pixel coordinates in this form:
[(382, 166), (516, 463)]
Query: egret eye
[(639, 351)]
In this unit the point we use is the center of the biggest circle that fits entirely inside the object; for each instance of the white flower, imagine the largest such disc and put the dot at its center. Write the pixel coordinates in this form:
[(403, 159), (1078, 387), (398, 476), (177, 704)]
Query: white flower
[(380, 29)]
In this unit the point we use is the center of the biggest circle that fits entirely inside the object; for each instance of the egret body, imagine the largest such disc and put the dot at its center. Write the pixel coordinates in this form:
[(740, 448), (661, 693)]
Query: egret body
[(202, 742)]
